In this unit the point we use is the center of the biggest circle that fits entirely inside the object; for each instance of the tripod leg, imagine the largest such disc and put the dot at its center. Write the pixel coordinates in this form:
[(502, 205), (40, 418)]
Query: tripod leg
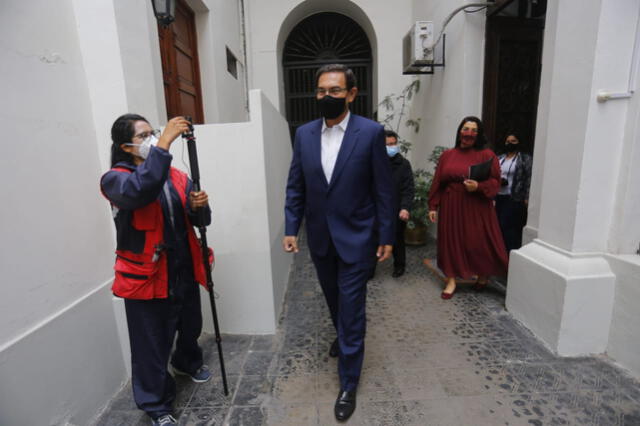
[(214, 312), (218, 340)]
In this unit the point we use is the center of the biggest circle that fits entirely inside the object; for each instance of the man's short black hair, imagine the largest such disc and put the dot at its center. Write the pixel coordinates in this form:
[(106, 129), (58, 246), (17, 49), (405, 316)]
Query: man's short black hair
[(390, 134), (348, 74)]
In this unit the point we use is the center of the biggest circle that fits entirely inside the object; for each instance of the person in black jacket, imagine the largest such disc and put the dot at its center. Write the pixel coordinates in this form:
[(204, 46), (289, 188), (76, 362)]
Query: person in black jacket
[(513, 199), (403, 191)]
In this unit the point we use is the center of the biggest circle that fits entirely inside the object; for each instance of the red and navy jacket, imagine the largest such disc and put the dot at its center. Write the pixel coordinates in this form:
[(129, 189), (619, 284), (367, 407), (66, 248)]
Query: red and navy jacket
[(154, 225)]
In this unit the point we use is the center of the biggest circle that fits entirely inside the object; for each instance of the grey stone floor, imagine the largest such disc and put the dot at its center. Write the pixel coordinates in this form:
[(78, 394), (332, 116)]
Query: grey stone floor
[(465, 361)]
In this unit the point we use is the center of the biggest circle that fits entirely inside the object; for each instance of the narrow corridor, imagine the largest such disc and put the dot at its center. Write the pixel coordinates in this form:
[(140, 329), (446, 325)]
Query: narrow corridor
[(465, 361)]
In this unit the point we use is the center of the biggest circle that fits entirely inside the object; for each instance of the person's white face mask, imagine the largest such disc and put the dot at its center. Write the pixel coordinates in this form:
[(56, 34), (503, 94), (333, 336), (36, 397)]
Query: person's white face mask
[(144, 147)]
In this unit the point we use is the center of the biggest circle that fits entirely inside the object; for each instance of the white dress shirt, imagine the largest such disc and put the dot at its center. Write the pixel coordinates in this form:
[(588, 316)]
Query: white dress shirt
[(330, 142)]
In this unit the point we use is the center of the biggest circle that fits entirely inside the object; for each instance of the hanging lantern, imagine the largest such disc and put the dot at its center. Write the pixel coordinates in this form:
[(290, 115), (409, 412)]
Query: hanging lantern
[(164, 11)]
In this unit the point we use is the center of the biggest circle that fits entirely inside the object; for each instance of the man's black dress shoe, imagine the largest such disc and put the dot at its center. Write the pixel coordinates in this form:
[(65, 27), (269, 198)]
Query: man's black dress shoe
[(345, 405), (397, 272), (334, 351)]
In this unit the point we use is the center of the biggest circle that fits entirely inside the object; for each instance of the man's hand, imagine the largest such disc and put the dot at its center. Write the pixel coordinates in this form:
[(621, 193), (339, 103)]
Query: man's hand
[(384, 252), (290, 243), (198, 199), (404, 215), (470, 185)]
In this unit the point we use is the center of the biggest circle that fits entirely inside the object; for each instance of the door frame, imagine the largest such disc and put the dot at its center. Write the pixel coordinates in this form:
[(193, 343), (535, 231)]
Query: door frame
[(517, 29)]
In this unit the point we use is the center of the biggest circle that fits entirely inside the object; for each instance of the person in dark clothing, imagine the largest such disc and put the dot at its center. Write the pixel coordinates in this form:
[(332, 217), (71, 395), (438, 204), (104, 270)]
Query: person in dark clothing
[(158, 260), (513, 198), (340, 185), (403, 192)]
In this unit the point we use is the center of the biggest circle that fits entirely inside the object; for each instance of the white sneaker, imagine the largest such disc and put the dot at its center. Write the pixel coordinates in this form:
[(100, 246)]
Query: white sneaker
[(165, 420)]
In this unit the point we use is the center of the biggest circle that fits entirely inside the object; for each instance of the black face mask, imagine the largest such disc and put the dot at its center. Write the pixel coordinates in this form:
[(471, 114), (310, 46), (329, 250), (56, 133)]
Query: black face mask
[(331, 107), (510, 147)]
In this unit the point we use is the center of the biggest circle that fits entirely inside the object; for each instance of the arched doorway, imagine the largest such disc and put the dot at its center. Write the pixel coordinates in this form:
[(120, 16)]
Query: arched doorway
[(320, 39)]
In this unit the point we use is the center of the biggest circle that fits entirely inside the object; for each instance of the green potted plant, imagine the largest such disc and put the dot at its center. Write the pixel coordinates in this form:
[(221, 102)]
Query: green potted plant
[(395, 107)]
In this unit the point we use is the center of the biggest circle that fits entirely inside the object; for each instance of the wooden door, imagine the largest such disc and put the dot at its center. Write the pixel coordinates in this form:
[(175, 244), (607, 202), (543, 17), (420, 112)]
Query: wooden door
[(512, 78), (180, 67)]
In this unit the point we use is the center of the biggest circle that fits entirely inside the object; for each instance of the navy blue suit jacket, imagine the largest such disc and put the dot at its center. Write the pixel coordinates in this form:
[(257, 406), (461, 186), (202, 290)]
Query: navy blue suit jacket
[(354, 210)]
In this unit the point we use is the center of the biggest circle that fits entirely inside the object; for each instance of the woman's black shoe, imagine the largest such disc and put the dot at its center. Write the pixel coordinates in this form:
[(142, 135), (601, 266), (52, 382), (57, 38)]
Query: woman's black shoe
[(345, 405), (334, 351)]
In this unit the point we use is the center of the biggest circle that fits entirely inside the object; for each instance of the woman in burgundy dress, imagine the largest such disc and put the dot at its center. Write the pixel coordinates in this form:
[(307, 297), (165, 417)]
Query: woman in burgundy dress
[(469, 238)]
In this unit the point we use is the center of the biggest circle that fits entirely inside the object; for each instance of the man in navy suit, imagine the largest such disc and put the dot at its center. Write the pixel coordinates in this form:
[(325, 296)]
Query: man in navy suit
[(340, 182)]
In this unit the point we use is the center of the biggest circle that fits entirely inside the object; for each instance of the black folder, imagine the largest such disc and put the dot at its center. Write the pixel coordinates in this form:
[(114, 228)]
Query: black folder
[(481, 171)]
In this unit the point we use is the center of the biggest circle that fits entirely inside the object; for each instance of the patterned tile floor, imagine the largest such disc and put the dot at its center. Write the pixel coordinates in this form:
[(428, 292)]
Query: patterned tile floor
[(465, 361)]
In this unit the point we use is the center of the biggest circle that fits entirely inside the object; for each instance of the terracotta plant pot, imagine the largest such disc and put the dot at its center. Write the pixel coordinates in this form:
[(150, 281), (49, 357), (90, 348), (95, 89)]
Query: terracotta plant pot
[(416, 236)]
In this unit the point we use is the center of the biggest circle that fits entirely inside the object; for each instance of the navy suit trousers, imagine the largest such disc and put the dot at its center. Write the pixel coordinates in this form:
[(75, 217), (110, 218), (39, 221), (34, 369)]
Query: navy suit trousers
[(152, 328), (345, 290)]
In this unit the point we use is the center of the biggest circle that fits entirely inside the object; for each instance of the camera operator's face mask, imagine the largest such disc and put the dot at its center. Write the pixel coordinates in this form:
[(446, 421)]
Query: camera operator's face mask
[(144, 147)]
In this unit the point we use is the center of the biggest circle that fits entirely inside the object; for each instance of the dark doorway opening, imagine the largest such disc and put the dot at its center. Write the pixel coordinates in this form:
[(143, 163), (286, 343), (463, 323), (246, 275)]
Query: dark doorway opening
[(513, 58), (320, 39)]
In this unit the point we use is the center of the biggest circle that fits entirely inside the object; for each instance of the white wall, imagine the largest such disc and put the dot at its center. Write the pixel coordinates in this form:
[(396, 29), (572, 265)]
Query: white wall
[(219, 25), (277, 157), (624, 237), (454, 91), (580, 169), (140, 58), (103, 67), (546, 79), (269, 24), (70, 69), (624, 337), (56, 322), (567, 285), (244, 168)]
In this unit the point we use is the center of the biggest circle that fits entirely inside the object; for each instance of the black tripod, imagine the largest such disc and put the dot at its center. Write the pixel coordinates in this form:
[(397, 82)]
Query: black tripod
[(195, 177)]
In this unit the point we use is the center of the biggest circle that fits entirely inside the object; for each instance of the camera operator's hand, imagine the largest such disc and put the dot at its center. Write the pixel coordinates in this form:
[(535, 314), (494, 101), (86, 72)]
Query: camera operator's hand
[(198, 199), (174, 128), (290, 243)]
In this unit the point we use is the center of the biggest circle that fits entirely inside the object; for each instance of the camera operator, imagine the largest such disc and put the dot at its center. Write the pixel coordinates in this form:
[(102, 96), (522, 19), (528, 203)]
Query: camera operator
[(158, 259)]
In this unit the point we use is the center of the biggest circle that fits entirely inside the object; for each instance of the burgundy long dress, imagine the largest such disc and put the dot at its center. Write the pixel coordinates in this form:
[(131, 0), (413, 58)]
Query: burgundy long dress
[(469, 238)]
